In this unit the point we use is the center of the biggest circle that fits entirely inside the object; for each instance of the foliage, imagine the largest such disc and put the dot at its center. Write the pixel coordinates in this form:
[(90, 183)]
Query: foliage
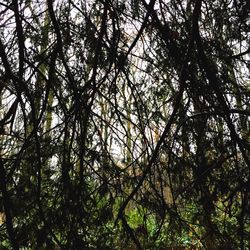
[(124, 124)]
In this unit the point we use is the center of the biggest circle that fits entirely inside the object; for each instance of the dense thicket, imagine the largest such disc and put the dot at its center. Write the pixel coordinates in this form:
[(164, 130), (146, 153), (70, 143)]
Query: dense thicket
[(124, 124)]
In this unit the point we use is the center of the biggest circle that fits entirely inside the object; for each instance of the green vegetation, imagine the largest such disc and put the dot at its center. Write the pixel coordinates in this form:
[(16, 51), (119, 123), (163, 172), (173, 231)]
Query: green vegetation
[(124, 124)]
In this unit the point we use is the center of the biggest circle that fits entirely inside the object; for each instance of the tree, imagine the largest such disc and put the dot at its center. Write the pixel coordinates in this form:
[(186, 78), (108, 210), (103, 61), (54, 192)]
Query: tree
[(124, 125)]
